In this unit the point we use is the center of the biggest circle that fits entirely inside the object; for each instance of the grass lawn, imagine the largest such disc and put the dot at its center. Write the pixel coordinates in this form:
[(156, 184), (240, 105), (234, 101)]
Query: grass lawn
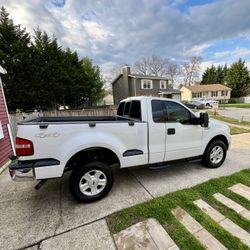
[(236, 130), (236, 105), (160, 208), (228, 119)]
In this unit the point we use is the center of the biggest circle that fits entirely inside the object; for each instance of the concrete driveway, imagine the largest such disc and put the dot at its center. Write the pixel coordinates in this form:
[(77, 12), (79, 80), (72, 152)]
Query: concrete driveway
[(51, 218), (236, 113)]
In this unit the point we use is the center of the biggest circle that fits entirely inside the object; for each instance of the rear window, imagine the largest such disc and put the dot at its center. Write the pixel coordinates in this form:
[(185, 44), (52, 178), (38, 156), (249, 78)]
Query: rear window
[(120, 109), (135, 110), (131, 109), (127, 108)]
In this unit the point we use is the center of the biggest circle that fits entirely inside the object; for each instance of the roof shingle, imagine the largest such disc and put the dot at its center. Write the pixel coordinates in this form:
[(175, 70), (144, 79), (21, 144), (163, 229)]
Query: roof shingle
[(207, 87)]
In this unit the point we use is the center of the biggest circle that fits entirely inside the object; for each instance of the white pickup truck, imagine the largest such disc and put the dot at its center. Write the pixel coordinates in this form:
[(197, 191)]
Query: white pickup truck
[(146, 131)]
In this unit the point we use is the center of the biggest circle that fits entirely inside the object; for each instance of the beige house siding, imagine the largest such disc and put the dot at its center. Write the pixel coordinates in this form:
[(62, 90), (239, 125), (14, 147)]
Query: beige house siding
[(186, 94)]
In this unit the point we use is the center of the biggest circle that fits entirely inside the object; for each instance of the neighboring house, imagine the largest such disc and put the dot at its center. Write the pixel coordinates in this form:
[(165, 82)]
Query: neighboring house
[(217, 92), (106, 100), (5, 134), (127, 84)]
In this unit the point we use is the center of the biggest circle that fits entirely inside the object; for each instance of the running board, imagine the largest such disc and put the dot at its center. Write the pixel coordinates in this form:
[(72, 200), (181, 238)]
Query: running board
[(163, 165)]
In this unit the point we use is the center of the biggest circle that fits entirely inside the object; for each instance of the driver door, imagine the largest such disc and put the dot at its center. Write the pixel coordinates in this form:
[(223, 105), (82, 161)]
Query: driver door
[(183, 139)]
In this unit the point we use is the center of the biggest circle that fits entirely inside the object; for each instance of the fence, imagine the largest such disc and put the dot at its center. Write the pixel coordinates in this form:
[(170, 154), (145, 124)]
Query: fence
[(15, 118), (244, 99)]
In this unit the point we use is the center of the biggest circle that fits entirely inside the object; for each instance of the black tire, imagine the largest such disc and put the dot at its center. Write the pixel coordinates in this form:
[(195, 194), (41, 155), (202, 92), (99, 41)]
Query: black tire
[(88, 168), (212, 163)]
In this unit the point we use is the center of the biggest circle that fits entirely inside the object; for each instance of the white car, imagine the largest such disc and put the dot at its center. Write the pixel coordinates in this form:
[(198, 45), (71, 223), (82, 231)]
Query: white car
[(146, 131), (208, 102)]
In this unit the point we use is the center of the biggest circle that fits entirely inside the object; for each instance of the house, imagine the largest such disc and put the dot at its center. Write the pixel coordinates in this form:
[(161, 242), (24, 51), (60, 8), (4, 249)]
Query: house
[(127, 84), (6, 144), (217, 92)]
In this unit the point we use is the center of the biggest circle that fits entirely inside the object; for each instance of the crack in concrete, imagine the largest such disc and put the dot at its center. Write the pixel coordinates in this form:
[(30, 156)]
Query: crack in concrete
[(52, 236), (141, 184)]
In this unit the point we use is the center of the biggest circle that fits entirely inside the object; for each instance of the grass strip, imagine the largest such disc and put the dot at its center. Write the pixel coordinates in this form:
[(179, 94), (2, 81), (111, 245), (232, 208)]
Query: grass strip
[(160, 209), (237, 130), (228, 119), (235, 105)]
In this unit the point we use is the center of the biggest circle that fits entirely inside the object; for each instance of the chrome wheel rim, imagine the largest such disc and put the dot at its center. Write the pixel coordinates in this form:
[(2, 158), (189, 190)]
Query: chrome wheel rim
[(216, 154), (93, 182)]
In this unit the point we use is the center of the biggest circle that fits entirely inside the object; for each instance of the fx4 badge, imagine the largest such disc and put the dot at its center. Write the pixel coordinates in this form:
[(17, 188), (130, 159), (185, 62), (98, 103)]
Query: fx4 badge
[(43, 135)]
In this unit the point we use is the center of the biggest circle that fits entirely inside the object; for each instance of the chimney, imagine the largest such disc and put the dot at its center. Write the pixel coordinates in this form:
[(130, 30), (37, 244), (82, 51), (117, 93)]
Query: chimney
[(125, 73), (126, 70)]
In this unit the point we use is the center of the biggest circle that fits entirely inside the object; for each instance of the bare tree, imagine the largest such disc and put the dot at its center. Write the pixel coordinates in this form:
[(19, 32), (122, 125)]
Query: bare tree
[(173, 71), (158, 65), (114, 72), (142, 66), (154, 65), (191, 69)]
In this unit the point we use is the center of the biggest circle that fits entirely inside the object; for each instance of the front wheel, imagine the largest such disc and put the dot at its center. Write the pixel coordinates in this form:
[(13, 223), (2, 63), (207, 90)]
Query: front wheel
[(91, 181), (214, 154)]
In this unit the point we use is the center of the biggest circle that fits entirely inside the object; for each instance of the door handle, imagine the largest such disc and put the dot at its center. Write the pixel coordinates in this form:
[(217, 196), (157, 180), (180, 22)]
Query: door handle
[(171, 131)]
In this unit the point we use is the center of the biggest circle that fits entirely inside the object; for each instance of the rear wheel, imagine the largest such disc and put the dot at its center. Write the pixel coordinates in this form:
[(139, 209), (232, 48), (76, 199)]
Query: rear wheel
[(91, 181), (214, 154)]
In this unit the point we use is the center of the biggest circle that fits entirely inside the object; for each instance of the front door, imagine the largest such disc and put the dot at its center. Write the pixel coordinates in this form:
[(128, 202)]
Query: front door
[(183, 139)]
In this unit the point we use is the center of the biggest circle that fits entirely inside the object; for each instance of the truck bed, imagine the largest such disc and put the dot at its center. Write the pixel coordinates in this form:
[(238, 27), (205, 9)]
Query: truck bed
[(74, 119)]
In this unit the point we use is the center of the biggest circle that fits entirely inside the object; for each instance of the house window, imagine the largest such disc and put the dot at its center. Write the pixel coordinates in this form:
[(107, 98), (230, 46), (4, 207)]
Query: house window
[(214, 93), (196, 94), (146, 84), (163, 84), (224, 93)]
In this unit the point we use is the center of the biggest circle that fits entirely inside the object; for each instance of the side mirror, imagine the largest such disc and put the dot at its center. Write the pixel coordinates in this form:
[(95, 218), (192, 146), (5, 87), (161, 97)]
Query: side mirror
[(204, 119)]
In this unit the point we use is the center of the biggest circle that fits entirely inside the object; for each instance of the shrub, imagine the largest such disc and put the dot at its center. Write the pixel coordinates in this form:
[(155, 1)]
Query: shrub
[(232, 100)]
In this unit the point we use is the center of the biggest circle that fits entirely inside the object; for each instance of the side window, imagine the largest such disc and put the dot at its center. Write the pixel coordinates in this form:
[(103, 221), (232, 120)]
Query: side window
[(177, 113), (135, 110), (120, 109), (127, 108), (158, 111)]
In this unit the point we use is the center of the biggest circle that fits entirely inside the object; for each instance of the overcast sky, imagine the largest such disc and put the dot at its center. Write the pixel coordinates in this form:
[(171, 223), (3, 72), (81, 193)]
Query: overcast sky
[(113, 32)]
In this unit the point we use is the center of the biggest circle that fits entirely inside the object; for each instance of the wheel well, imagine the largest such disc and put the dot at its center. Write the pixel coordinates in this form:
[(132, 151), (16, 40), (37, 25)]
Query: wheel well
[(97, 153), (219, 138)]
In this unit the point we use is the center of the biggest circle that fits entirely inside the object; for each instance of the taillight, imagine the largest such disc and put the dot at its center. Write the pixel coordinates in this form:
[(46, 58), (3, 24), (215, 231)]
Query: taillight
[(24, 147)]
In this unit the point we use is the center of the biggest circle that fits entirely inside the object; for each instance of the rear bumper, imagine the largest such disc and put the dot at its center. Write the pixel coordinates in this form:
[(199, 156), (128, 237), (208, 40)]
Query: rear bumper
[(22, 174), (35, 169)]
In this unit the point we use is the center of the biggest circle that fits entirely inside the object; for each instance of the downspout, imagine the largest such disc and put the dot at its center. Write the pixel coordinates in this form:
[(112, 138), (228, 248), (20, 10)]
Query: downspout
[(135, 85)]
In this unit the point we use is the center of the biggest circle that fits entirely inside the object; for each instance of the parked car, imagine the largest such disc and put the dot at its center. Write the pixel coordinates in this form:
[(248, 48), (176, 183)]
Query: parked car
[(194, 105), (208, 102), (146, 131)]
